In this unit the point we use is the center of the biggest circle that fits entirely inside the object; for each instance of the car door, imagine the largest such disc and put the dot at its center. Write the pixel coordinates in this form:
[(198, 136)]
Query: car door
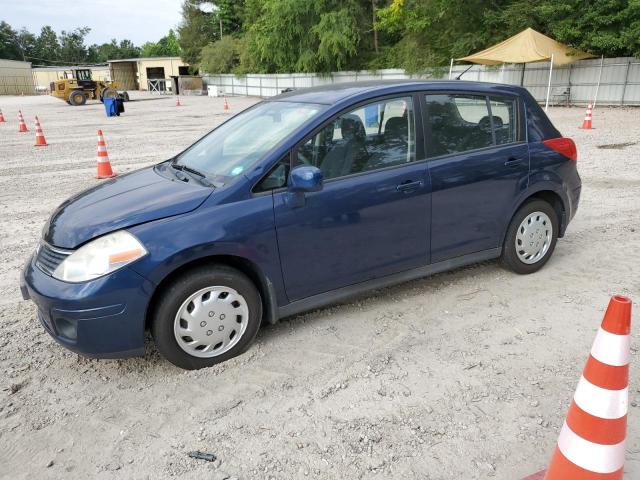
[(371, 218), (478, 163)]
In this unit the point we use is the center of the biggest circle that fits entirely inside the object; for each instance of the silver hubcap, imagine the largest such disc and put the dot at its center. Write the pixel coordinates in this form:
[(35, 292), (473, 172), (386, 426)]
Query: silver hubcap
[(533, 238), (211, 321)]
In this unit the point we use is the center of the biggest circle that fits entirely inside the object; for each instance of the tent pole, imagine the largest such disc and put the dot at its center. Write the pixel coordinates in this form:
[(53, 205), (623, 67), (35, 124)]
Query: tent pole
[(546, 103), (450, 69), (524, 65), (595, 98)]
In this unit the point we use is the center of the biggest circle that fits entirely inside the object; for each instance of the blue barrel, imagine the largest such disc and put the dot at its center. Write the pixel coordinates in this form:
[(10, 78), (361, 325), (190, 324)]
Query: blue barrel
[(110, 106)]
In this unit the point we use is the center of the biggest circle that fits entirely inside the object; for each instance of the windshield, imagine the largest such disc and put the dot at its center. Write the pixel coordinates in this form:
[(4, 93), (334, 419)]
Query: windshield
[(238, 143)]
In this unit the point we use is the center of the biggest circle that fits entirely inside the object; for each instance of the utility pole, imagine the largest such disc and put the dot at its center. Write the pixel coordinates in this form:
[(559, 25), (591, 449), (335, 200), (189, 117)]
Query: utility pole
[(373, 24)]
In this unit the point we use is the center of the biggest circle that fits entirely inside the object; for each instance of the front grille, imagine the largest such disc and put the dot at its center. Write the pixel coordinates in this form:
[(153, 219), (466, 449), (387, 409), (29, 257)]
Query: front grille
[(49, 258)]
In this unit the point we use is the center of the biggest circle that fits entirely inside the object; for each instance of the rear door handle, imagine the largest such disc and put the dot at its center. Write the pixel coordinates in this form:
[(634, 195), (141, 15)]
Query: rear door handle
[(409, 186), (514, 161)]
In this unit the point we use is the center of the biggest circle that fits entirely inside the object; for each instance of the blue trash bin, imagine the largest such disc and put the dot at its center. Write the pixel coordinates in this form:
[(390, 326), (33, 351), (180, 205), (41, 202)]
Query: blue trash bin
[(110, 106)]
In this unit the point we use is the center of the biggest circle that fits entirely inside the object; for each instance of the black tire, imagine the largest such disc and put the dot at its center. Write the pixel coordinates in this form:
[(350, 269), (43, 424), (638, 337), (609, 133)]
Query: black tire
[(77, 98), (175, 294), (510, 258)]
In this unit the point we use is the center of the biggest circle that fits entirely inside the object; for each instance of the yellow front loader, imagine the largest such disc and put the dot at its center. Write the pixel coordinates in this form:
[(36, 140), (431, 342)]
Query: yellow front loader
[(77, 87)]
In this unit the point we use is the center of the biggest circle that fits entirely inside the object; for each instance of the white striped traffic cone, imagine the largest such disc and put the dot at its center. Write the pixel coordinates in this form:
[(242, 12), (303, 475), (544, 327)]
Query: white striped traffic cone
[(40, 140), (591, 443), (22, 126), (104, 165), (586, 123)]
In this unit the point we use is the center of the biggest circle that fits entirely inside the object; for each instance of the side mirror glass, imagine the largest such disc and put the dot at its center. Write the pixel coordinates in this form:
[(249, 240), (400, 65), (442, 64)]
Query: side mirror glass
[(305, 179)]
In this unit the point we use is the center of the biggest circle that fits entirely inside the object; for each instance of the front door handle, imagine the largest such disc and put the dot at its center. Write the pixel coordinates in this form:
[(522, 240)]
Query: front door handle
[(409, 186), (514, 161)]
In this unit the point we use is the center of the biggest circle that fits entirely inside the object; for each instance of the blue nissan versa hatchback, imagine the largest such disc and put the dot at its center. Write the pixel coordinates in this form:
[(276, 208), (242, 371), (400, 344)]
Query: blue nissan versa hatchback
[(299, 201)]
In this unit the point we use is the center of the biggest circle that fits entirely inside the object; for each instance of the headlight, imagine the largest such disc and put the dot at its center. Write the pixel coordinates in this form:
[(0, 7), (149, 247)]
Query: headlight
[(99, 257)]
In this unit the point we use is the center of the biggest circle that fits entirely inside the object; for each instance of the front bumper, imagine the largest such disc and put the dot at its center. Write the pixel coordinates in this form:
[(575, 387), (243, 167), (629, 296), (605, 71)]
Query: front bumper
[(102, 318)]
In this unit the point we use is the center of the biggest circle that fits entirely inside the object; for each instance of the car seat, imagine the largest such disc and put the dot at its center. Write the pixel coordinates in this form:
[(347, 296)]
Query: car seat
[(341, 158)]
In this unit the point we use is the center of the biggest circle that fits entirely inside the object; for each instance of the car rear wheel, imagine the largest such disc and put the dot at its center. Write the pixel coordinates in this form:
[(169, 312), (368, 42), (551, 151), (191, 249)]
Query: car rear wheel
[(531, 237), (206, 316)]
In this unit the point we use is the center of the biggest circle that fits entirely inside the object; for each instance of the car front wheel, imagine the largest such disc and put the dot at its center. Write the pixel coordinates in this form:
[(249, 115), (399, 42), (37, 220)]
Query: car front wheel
[(531, 237), (206, 316)]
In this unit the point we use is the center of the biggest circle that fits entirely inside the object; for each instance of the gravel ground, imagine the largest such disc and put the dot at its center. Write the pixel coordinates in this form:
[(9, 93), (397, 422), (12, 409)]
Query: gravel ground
[(463, 375)]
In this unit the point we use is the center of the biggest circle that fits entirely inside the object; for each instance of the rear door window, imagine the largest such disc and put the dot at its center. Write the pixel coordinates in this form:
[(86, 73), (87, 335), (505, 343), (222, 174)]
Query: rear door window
[(457, 123)]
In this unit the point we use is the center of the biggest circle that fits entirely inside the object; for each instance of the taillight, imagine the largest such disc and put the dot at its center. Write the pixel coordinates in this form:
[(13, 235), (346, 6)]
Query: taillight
[(564, 146)]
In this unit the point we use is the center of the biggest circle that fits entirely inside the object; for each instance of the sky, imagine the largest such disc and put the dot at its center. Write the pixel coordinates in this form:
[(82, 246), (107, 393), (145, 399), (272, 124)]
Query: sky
[(138, 20)]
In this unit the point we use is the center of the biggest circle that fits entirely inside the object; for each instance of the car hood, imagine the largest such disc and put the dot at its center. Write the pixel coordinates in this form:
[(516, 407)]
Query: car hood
[(122, 202)]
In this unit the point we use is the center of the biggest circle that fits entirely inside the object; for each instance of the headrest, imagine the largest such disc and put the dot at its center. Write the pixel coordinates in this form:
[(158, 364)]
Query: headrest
[(396, 127), (352, 128), (485, 123)]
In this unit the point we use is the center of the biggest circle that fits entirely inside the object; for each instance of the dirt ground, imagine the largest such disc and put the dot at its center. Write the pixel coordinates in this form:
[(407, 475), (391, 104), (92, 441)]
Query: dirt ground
[(463, 375)]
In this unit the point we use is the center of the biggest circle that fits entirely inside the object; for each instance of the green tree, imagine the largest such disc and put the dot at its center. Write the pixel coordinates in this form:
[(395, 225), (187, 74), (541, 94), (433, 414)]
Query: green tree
[(72, 47), (195, 31), (221, 56), (27, 43), (9, 48), (47, 47), (167, 46), (112, 51), (307, 35), (607, 27)]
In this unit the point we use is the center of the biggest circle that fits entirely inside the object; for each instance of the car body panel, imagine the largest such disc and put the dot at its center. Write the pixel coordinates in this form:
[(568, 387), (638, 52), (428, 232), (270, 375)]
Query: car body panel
[(108, 313), (355, 229), (215, 229), (119, 203), (472, 194)]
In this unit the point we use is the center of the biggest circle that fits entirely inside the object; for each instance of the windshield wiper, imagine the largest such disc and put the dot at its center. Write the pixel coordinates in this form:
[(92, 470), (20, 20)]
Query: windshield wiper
[(193, 171)]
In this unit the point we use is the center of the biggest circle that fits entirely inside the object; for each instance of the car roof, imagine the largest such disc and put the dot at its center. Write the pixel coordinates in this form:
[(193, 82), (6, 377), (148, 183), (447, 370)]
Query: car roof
[(337, 92)]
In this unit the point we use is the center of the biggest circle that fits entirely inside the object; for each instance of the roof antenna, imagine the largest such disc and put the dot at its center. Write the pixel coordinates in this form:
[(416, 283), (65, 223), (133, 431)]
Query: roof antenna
[(460, 76)]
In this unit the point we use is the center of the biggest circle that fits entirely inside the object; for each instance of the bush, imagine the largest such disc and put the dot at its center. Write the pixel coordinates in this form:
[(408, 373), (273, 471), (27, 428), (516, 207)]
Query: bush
[(220, 57)]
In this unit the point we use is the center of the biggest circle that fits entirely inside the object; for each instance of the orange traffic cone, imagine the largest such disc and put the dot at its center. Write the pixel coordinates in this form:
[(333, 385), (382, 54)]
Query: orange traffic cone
[(591, 443), (22, 127), (586, 123), (1, 117), (226, 104), (536, 476), (40, 140), (104, 166), (178, 104)]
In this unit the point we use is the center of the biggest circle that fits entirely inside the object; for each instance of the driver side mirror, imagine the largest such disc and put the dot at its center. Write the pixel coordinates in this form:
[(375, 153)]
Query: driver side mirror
[(305, 179)]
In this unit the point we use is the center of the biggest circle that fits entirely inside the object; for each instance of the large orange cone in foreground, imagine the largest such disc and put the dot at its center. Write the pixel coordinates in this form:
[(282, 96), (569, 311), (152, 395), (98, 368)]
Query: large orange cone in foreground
[(104, 166), (1, 117), (40, 140), (587, 123), (591, 443), (22, 126)]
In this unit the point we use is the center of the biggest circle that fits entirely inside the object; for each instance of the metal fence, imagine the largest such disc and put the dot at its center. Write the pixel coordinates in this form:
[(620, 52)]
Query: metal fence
[(16, 85), (615, 81)]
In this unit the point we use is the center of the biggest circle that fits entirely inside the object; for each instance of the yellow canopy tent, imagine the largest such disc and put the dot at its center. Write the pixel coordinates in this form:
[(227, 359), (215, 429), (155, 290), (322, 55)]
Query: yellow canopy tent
[(528, 46)]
